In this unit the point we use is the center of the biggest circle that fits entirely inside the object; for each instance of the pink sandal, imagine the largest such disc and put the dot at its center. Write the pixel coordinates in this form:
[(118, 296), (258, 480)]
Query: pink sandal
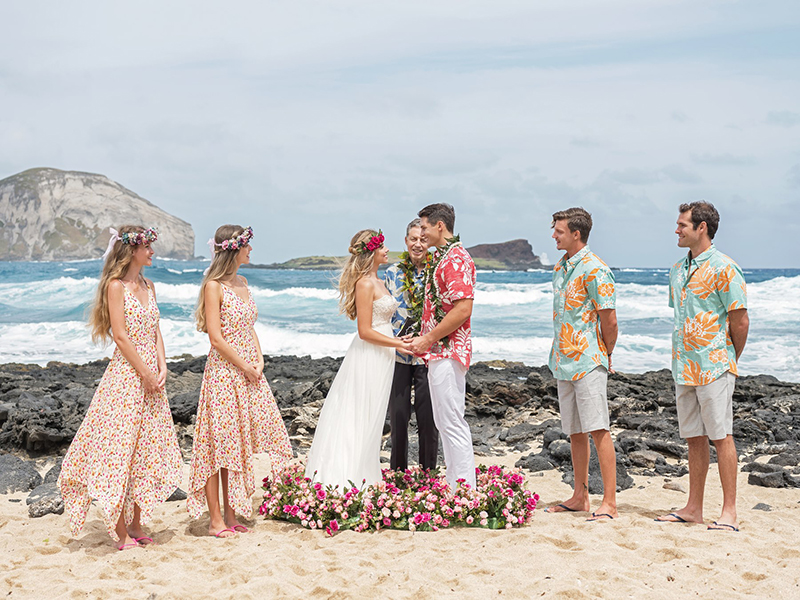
[(145, 539), (231, 529), (126, 546), (240, 528)]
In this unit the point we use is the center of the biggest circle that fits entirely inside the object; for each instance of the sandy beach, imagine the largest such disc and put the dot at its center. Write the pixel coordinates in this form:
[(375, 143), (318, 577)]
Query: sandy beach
[(556, 556)]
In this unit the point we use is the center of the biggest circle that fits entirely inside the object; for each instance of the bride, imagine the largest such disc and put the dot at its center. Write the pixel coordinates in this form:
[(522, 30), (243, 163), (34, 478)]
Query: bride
[(347, 442)]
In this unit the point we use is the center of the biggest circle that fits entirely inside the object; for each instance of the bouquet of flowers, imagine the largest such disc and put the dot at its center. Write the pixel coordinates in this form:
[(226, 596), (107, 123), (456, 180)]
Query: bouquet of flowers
[(414, 500)]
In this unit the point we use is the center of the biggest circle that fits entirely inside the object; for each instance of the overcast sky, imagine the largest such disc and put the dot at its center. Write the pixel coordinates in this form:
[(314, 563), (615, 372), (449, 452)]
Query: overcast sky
[(311, 120)]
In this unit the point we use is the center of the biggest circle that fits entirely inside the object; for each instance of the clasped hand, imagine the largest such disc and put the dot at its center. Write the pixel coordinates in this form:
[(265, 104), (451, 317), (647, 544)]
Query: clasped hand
[(154, 382), (252, 373), (417, 345)]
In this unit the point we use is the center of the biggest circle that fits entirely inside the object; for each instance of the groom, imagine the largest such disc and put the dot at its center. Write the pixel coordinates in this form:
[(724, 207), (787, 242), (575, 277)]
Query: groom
[(445, 340)]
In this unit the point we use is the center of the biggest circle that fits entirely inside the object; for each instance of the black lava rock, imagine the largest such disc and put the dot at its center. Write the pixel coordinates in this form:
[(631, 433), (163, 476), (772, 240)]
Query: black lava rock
[(17, 475)]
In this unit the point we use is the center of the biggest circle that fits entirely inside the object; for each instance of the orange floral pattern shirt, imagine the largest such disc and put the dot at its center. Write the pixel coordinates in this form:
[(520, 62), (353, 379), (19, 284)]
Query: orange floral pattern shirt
[(582, 285), (702, 291)]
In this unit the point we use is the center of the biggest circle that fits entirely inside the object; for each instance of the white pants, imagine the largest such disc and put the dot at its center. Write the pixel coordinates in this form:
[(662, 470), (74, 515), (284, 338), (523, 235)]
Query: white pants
[(447, 382)]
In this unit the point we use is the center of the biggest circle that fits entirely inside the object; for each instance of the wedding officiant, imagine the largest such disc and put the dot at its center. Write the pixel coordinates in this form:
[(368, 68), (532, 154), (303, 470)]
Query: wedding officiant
[(405, 281)]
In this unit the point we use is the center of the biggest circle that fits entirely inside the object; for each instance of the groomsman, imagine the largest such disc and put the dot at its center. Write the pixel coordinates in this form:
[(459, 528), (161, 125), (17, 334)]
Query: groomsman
[(445, 341), (405, 281), (708, 295), (585, 332)]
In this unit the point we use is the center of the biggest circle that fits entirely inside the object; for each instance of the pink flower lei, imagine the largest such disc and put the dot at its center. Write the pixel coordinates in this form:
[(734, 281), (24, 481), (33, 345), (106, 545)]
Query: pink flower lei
[(234, 243), (375, 242)]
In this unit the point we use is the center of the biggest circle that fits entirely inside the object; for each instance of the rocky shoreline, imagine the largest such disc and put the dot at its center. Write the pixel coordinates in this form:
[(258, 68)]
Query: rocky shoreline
[(511, 407)]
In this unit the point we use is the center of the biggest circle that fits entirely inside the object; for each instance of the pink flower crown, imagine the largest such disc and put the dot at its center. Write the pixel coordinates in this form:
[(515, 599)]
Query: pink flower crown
[(375, 242), (131, 238), (137, 238), (234, 243)]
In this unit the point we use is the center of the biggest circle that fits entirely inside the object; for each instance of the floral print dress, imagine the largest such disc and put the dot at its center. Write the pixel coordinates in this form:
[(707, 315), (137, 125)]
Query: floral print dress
[(125, 451), (235, 418)]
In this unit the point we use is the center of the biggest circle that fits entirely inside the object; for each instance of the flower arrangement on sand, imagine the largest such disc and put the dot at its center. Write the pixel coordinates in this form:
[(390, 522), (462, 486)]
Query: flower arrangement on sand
[(414, 500)]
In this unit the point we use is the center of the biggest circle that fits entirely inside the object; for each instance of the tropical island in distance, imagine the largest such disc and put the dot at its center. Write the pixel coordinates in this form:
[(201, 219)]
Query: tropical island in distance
[(516, 255), (48, 214)]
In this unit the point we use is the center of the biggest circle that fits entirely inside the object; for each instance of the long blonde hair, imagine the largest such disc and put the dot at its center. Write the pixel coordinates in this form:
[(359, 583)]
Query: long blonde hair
[(115, 267), (223, 264), (357, 266)]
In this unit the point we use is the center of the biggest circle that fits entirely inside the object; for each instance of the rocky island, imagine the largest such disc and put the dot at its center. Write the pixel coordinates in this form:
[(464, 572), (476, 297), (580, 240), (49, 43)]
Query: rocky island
[(516, 255), (48, 214)]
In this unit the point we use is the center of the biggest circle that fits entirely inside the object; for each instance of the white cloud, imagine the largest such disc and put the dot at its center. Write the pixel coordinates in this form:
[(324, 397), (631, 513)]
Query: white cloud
[(783, 118), (310, 124)]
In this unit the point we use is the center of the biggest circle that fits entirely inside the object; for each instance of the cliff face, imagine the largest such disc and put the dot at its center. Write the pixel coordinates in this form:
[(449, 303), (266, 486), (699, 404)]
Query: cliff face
[(516, 255), (47, 214)]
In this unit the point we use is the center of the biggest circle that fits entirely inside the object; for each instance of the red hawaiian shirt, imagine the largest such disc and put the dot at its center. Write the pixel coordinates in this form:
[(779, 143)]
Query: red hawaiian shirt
[(454, 279)]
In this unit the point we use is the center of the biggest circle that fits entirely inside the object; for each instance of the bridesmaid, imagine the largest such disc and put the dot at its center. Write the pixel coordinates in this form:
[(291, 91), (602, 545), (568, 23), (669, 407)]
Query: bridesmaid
[(125, 454), (236, 414)]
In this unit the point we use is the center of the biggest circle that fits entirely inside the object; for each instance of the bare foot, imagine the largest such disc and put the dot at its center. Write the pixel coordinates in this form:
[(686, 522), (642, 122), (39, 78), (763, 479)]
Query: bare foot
[(606, 512), (680, 516), (222, 532), (727, 520), (717, 526), (140, 537), (220, 529), (568, 506), (127, 542), (601, 516), (231, 522)]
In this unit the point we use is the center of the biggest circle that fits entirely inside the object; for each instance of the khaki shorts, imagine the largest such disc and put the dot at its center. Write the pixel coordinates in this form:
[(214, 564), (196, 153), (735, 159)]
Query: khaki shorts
[(706, 410), (583, 403)]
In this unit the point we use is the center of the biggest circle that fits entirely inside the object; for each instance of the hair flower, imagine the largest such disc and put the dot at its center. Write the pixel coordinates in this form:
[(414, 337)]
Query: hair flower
[(375, 242), (240, 241)]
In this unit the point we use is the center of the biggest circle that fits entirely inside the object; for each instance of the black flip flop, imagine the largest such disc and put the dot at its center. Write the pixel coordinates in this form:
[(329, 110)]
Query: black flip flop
[(564, 506), (677, 519), (598, 517)]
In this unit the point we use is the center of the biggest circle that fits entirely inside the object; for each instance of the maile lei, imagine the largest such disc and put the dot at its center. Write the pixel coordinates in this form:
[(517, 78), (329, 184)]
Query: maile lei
[(415, 295), (430, 282)]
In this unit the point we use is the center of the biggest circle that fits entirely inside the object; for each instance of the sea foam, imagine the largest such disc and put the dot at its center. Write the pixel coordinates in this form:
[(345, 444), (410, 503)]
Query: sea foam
[(40, 308)]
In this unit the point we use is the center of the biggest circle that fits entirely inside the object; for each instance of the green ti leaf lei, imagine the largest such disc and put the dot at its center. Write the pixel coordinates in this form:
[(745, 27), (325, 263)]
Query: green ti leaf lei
[(416, 297), (430, 283)]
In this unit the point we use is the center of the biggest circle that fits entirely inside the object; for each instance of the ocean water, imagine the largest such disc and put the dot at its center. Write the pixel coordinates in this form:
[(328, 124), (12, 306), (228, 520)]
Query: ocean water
[(43, 307)]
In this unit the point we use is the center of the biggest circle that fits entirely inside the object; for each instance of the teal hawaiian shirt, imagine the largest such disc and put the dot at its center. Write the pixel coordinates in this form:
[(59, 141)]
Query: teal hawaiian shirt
[(582, 285), (393, 278), (702, 291)]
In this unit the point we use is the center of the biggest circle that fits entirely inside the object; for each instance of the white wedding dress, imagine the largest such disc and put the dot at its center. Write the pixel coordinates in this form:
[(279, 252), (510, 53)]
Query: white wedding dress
[(347, 442)]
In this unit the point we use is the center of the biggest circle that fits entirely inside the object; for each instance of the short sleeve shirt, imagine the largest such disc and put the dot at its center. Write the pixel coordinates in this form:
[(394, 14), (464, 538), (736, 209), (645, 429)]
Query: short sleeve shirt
[(582, 285), (454, 279), (394, 279), (702, 291)]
